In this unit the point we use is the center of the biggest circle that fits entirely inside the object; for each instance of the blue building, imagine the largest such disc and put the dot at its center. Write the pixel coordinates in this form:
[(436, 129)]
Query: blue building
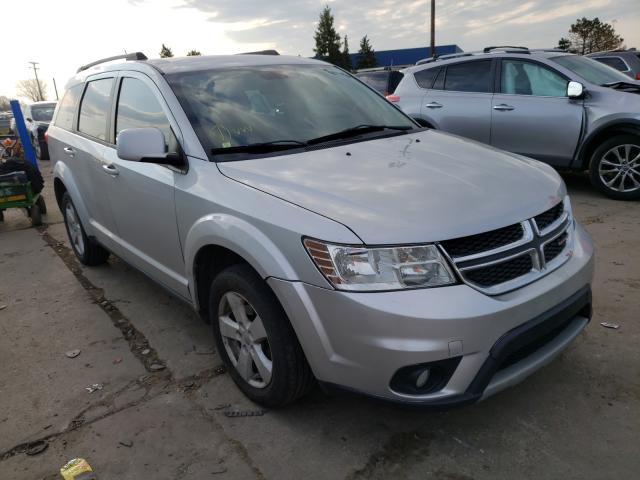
[(407, 56)]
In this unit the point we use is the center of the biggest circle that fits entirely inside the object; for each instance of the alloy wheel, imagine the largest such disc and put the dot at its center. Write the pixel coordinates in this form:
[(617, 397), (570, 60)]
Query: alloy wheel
[(75, 230), (619, 168), (245, 339)]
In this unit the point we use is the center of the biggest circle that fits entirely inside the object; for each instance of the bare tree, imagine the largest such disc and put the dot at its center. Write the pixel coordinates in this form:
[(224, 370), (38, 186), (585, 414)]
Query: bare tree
[(29, 89), (4, 104)]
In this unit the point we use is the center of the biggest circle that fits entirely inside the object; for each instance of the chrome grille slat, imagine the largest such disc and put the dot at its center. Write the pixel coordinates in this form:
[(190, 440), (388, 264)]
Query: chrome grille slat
[(545, 244)]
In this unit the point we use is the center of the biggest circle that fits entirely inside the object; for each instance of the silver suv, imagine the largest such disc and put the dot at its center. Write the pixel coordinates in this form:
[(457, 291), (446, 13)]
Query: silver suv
[(566, 110), (323, 234)]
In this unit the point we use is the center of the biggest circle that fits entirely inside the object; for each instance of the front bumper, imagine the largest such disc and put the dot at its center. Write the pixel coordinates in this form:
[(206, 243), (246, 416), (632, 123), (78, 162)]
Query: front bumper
[(360, 340)]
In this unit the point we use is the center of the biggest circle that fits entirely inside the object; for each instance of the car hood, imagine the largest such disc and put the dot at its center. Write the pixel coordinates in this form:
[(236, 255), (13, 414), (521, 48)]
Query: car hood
[(412, 188)]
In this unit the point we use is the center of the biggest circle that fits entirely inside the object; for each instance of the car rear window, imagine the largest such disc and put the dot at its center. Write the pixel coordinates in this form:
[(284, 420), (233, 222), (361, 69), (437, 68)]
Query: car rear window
[(615, 62), (379, 81), (424, 78), (469, 77), (67, 109), (94, 107)]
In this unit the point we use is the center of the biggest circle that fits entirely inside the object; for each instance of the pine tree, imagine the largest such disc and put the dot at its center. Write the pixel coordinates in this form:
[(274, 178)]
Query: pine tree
[(587, 36), (165, 52), (193, 53), (346, 58), (327, 39), (366, 55)]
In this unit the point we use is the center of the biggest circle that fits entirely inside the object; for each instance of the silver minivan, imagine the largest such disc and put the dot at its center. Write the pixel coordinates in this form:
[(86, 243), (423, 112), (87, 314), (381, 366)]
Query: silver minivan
[(323, 233), (566, 110)]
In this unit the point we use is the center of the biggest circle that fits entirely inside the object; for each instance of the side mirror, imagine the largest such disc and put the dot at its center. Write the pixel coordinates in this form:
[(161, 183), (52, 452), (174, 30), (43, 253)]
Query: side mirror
[(575, 90), (145, 145)]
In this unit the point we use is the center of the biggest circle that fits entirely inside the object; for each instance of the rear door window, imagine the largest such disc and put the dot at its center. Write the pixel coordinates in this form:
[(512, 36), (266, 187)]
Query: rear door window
[(469, 77), (67, 109), (138, 107), (94, 108), (615, 62), (425, 78)]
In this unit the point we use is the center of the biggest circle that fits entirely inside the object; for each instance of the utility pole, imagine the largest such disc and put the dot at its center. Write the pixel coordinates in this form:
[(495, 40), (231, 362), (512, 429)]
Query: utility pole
[(35, 72), (433, 28)]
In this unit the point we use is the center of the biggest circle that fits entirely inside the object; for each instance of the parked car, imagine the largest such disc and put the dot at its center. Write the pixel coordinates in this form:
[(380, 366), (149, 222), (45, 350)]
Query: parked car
[(321, 232), (566, 110), (625, 61), (37, 117), (5, 123), (383, 80)]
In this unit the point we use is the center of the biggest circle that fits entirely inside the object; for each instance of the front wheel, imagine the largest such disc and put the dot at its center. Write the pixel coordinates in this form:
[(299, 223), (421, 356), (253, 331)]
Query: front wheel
[(615, 167), (255, 339)]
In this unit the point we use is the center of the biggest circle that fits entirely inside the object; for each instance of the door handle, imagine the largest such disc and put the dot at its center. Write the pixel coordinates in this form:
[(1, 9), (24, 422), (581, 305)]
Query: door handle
[(503, 107), (433, 105), (111, 169), (69, 151)]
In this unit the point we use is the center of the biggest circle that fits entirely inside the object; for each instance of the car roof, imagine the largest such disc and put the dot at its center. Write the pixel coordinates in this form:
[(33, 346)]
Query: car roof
[(613, 53), (43, 102), (465, 56)]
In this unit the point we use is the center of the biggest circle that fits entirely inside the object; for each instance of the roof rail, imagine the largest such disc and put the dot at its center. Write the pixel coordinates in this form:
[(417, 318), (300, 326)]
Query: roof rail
[(504, 47), (444, 57), (127, 56), (261, 52)]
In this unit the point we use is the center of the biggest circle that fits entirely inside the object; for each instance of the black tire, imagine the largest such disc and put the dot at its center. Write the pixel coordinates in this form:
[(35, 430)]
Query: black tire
[(602, 153), (93, 253), (36, 215), (41, 203), (291, 376), (41, 150)]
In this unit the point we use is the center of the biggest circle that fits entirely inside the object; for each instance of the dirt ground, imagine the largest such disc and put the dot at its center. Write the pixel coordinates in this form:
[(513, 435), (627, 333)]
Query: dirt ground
[(164, 403)]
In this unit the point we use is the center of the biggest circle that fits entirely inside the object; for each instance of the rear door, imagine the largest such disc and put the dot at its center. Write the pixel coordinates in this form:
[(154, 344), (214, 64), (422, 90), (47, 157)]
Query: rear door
[(142, 194), (460, 99), (87, 152), (532, 114)]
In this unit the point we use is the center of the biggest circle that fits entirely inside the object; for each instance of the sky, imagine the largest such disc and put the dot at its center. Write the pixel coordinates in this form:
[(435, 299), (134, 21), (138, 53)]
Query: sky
[(64, 34)]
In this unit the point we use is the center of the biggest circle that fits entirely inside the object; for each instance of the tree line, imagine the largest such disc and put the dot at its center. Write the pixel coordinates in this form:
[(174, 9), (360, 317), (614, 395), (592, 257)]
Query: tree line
[(330, 47)]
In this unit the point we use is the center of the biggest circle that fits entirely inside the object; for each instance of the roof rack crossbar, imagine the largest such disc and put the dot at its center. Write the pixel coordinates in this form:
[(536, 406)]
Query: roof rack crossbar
[(127, 56), (503, 47), (444, 57)]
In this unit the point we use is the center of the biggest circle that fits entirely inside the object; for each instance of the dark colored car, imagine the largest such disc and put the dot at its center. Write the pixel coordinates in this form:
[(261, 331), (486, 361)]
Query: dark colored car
[(384, 80), (625, 61), (5, 123), (37, 117)]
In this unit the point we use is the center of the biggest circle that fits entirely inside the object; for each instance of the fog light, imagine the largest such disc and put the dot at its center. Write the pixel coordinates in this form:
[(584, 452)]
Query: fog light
[(423, 378)]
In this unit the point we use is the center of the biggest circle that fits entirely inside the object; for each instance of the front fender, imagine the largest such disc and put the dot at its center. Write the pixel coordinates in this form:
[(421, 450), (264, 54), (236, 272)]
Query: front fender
[(63, 173), (242, 238)]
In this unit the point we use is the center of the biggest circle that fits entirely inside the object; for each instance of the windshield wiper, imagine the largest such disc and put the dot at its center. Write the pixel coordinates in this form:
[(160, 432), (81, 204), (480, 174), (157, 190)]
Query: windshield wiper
[(264, 147), (620, 84), (357, 130)]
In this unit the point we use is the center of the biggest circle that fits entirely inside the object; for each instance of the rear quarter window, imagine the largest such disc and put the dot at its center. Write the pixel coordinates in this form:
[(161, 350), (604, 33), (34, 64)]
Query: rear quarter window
[(424, 78), (615, 62), (67, 109)]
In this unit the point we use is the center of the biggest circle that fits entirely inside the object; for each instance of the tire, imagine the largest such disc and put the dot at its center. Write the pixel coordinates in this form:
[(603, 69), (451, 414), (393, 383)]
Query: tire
[(36, 215), (617, 175), (88, 251), (41, 203), (290, 375), (41, 150)]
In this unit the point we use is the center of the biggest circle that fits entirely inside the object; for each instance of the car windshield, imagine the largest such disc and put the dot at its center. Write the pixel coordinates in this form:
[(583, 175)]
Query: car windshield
[(43, 113), (287, 105), (591, 70)]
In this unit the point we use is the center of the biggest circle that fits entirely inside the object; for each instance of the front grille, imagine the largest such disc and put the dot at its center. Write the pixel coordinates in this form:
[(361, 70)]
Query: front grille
[(554, 247), (500, 272), (547, 218), (461, 247)]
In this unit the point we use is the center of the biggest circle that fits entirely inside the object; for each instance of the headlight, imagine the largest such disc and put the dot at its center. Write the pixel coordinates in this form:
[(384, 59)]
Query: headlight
[(388, 268)]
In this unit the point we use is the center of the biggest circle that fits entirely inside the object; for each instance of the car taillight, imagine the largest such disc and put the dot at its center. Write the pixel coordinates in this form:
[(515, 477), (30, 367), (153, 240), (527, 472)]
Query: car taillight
[(46, 137), (638, 76), (393, 98)]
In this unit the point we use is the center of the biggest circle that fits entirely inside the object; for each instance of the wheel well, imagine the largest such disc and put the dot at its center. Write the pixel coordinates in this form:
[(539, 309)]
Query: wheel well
[(209, 262), (602, 136), (59, 190), (423, 123)]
